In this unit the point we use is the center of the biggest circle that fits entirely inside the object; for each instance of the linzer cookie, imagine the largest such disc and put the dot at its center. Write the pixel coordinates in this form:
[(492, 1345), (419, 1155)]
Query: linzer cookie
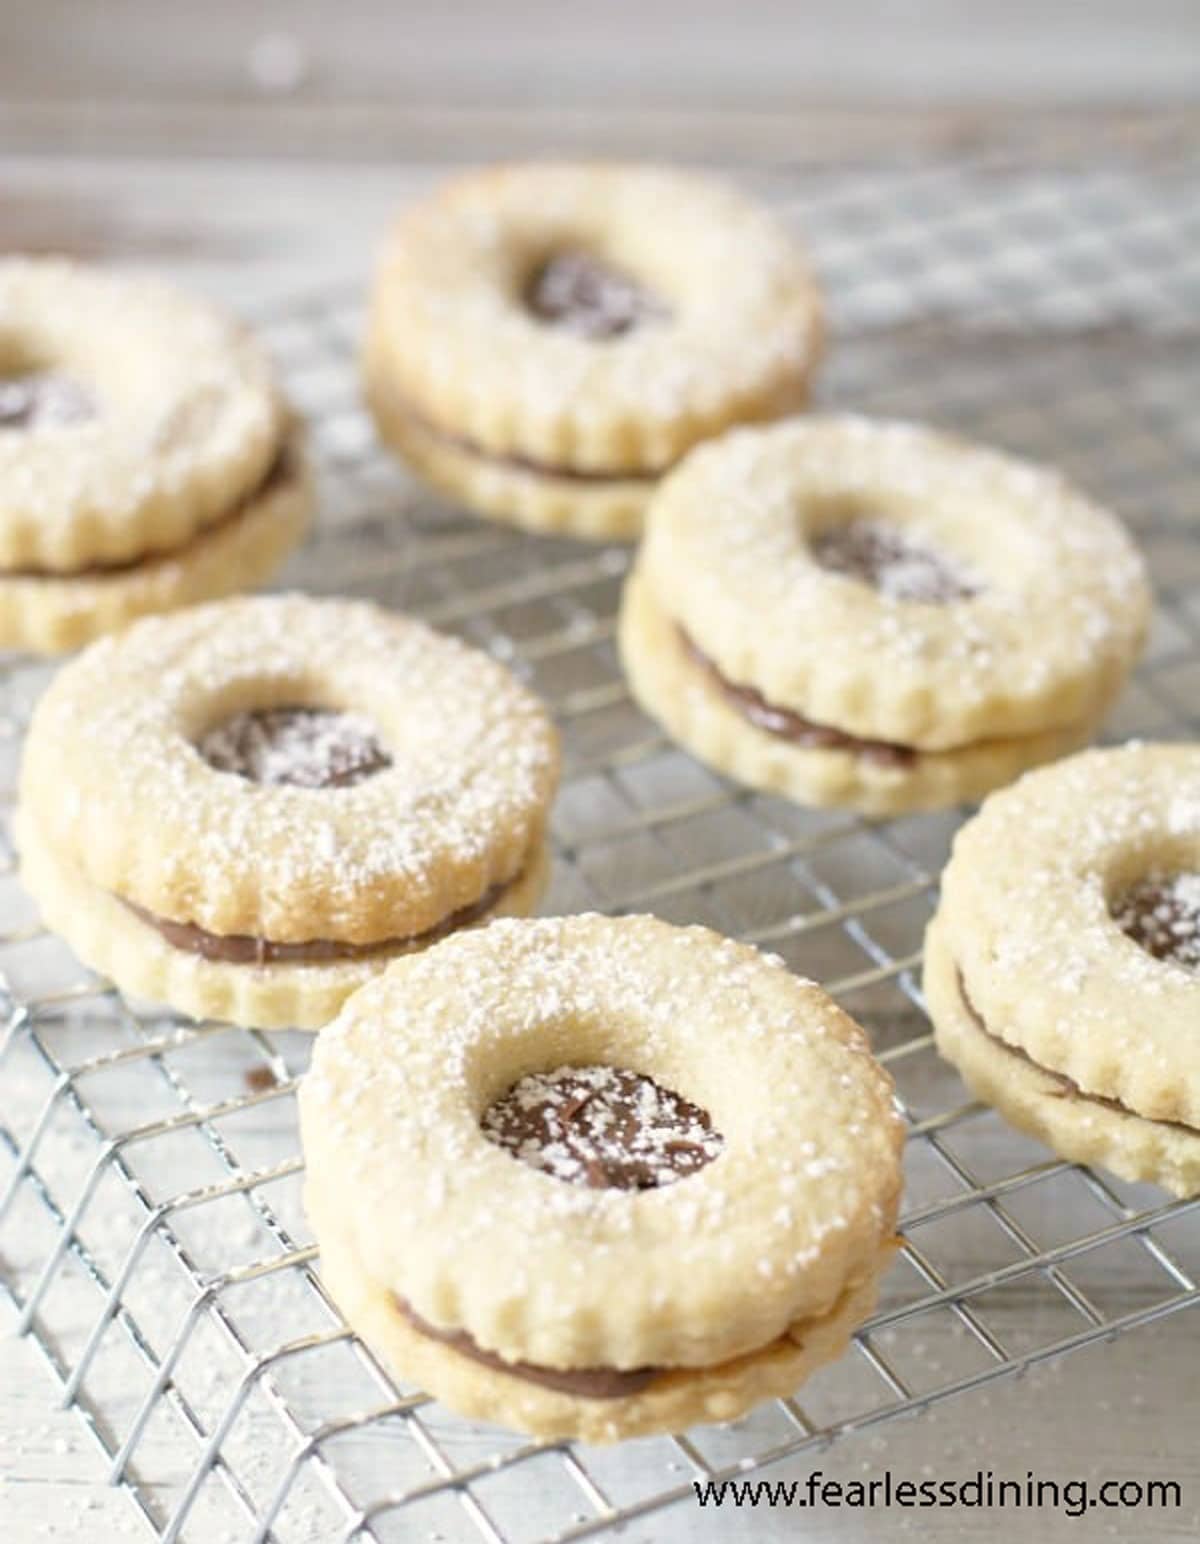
[(146, 460), (248, 809), (546, 340), (1062, 969), (595, 1177), (874, 615)]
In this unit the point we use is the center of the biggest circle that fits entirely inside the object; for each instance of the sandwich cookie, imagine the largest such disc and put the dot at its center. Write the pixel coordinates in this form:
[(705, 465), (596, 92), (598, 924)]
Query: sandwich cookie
[(248, 809), (546, 340), (595, 1177), (874, 615), (146, 458), (1062, 970)]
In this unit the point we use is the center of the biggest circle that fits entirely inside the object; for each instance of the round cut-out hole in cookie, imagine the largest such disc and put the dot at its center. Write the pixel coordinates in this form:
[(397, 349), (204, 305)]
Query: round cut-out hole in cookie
[(296, 746), (603, 1127)]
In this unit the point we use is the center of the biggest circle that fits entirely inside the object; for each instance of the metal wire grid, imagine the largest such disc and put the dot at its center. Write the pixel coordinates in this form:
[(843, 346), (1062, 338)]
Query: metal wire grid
[(153, 1237)]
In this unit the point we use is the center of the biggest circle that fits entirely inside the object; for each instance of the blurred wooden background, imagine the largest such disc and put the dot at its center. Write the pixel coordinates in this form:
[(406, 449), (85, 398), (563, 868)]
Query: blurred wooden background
[(373, 78)]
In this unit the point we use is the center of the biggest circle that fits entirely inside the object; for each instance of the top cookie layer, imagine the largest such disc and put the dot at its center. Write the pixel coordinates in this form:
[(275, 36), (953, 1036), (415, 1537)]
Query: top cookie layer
[(794, 1207), (1029, 621), (182, 418), (116, 782), (1035, 912), (711, 316)]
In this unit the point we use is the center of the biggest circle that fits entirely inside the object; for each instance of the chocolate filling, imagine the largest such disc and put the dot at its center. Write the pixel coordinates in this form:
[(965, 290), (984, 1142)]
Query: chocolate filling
[(281, 469), (525, 463), (883, 556), (585, 295), (1068, 1087), (44, 400), (243, 949), (583, 1382), (602, 1127), (1162, 914), (297, 747), (787, 725)]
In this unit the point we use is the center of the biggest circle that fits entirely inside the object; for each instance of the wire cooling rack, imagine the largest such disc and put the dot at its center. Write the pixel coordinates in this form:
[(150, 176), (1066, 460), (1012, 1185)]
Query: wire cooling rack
[(151, 1233)]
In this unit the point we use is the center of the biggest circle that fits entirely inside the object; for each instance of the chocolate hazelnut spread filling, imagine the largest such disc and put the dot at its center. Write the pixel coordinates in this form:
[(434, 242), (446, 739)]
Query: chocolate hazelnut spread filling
[(585, 295), (603, 1127), (281, 469), (42, 400), (1068, 1087), (525, 463), (1162, 914), (582, 1382), (787, 725), (244, 949), (883, 556)]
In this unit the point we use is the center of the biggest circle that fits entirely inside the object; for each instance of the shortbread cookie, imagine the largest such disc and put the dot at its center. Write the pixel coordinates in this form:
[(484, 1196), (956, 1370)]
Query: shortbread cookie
[(872, 614), (596, 1177), (50, 613), (1063, 967), (249, 808), (146, 459), (546, 340)]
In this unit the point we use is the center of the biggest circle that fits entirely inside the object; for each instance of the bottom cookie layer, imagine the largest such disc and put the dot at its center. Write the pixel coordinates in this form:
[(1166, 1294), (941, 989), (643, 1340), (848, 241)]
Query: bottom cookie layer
[(675, 1399), (1039, 1102), (677, 691), (53, 613), (112, 940), (597, 509)]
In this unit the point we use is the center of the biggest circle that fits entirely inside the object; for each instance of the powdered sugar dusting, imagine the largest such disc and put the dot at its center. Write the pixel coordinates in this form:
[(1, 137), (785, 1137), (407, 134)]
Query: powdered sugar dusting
[(1183, 815), (602, 1126), (43, 400), (1162, 914)]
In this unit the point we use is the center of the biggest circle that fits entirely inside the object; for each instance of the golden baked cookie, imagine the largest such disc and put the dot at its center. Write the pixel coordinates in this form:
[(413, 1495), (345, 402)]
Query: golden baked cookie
[(247, 809), (856, 612), (1063, 966), (545, 340), (146, 459), (596, 1177), (49, 613)]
